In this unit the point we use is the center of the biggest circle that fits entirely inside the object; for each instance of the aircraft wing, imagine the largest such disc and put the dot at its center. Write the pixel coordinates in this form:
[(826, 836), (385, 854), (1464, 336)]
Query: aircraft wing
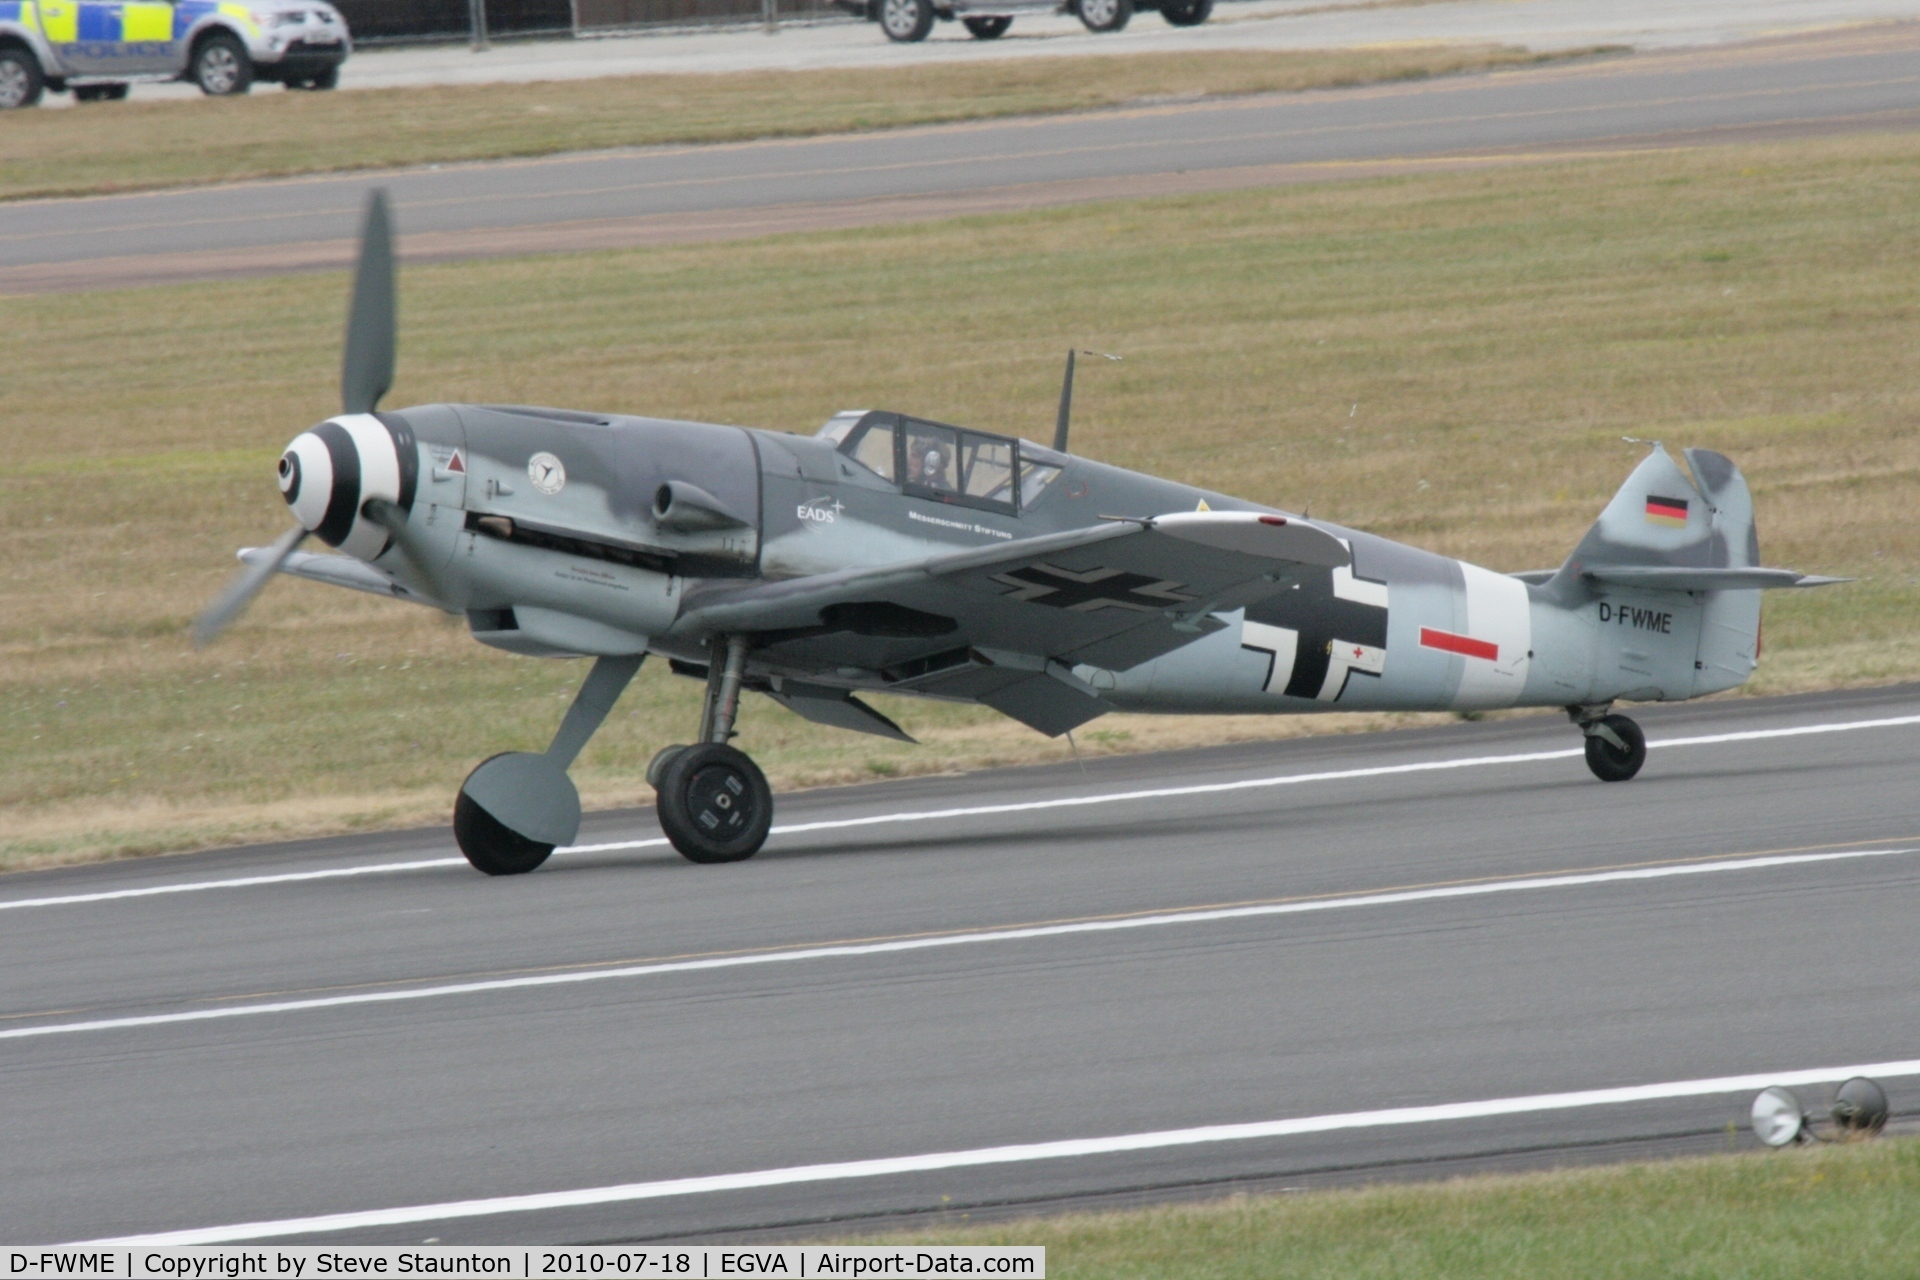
[(1006, 624)]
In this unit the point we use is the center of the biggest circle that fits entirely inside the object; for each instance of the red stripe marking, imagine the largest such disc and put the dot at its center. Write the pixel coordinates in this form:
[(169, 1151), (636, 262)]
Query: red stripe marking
[(1666, 508), (1451, 643)]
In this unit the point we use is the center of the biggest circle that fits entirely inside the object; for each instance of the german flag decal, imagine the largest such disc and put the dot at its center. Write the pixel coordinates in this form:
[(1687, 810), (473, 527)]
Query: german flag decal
[(1671, 512)]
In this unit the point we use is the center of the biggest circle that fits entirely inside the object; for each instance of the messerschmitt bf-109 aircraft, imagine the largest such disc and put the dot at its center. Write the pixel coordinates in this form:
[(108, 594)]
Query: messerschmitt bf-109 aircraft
[(892, 553)]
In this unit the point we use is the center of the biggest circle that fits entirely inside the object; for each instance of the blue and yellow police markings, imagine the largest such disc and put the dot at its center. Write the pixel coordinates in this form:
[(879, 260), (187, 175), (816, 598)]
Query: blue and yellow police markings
[(188, 12), (21, 13), (59, 20), (148, 24)]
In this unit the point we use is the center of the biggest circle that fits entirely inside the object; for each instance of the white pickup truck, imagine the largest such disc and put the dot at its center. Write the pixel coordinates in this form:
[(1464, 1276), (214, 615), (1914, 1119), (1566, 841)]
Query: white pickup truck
[(96, 48), (906, 21)]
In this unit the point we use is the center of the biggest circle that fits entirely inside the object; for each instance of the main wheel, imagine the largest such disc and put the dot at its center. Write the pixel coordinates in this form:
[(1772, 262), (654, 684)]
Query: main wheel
[(906, 21), (490, 846), (21, 81), (1106, 15), (1608, 762), (221, 67), (990, 28), (1186, 13), (715, 804)]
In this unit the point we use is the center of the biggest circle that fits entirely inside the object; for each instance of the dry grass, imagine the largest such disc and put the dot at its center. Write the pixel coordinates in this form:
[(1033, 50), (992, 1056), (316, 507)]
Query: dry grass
[(169, 143), (1844, 1212), (1448, 359)]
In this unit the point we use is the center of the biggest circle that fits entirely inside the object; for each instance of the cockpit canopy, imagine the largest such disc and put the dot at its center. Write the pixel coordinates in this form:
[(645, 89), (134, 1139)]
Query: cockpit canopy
[(945, 463)]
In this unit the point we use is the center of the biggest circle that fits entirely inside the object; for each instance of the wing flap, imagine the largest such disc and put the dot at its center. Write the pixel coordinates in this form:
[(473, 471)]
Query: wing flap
[(837, 708)]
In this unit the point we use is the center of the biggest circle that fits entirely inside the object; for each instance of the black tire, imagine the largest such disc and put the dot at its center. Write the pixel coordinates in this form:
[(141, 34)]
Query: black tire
[(99, 92), (1608, 762), (657, 767), (987, 28), (221, 66), (1186, 13), (715, 804), (21, 80), (1105, 16), (906, 21), (328, 79), (490, 846)]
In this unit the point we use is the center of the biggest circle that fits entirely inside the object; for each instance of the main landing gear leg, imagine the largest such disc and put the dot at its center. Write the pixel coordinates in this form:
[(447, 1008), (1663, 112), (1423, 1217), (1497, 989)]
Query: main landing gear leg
[(1615, 746), (516, 807), (714, 803)]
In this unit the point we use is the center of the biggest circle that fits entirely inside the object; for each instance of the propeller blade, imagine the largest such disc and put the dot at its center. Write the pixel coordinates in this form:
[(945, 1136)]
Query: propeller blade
[(246, 584), (367, 371), (1066, 408)]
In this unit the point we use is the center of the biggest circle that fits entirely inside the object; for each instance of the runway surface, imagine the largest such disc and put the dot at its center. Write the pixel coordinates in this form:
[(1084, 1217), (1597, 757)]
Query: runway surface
[(1304, 940), (1848, 81)]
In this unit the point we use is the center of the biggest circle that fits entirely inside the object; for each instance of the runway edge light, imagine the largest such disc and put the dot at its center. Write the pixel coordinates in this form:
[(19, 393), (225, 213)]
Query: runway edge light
[(1778, 1120), (1859, 1111)]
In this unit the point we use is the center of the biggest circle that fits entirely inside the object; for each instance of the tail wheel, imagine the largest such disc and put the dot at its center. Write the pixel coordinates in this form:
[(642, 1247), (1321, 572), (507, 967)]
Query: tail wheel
[(490, 845), (327, 79), (1611, 762), (715, 804), (1106, 15), (221, 67), (1186, 13), (906, 21), (991, 28), (21, 81)]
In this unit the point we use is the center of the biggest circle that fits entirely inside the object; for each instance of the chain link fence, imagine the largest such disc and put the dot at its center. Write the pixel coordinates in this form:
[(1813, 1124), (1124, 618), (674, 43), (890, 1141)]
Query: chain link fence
[(402, 21)]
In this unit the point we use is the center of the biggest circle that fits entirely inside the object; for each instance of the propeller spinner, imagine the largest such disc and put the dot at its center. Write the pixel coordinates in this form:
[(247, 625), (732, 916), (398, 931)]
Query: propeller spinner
[(330, 475)]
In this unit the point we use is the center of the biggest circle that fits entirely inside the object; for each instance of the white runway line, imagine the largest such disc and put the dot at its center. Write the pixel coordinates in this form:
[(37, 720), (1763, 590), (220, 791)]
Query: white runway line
[(892, 946), (238, 882), (1071, 1148), (1028, 806)]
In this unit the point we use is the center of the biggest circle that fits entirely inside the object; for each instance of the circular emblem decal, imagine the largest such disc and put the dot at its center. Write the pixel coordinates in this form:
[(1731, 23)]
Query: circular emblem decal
[(547, 474)]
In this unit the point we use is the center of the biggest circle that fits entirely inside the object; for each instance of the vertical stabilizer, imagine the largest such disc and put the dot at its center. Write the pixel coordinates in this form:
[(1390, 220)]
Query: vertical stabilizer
[(1662, 518)]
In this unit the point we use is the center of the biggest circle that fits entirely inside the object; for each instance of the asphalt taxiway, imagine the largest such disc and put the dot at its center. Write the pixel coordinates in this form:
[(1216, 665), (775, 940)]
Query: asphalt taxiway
[(1248, 966), (1854, 80)]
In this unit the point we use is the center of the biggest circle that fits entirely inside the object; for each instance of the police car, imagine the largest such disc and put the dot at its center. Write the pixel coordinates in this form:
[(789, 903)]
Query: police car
[(96, 48)]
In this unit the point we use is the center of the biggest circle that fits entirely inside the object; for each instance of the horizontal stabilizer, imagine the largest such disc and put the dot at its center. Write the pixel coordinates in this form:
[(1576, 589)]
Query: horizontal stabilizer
[(1676, 578), (339, 571), (835, 707)]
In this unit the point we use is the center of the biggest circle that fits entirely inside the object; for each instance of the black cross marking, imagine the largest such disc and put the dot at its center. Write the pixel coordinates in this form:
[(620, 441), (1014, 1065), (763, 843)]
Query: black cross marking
[(1323, 621), (1092, 590)]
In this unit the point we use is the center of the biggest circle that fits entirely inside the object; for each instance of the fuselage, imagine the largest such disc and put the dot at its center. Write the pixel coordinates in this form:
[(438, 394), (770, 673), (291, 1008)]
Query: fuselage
[(562, 533)]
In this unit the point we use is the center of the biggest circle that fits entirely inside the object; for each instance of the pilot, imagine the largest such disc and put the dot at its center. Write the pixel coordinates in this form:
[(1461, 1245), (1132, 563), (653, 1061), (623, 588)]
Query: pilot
[(929, 465)]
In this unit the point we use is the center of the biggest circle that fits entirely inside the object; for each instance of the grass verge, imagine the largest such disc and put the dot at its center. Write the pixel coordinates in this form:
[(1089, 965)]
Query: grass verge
[(131, 146), (1448, 359), (1846, 1212)]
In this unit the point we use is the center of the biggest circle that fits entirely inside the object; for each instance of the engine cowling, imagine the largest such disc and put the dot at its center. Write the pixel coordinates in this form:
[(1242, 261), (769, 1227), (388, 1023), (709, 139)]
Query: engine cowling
[(330, 474)]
